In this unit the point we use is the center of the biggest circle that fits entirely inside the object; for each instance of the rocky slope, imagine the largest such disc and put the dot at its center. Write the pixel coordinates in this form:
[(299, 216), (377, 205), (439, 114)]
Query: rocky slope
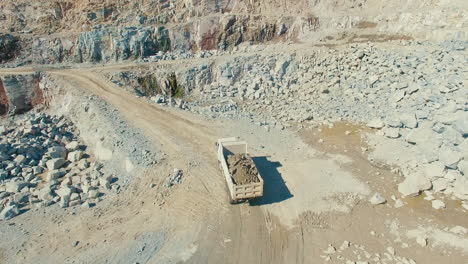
[(93, 31)]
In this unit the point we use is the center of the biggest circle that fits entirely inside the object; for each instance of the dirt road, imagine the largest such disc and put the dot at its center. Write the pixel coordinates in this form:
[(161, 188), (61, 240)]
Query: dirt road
[(311, 199)]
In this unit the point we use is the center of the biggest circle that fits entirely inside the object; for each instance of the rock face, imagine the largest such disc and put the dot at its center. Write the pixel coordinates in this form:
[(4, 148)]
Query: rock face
[(90, 31), (120, 44), (19, 93)]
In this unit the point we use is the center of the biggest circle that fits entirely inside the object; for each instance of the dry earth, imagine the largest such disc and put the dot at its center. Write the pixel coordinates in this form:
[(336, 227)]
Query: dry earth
[(313, 197)]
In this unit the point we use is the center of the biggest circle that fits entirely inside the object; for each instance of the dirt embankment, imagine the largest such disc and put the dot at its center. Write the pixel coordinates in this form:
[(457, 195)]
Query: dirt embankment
[(242, 169)]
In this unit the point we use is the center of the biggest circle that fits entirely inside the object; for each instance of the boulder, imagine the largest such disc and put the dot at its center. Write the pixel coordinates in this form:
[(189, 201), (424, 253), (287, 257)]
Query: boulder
[(74, 196), (408, 188), (413, 184), (54, 164), (392, 132), (422, 181), (376, 123), (75, 156), (65, 191), (440, 184), (38, 170), (72, 146), (9, 211), (377, 199), (438, 204), (459, 230), (20, 159), (57, 152), (420, 136), (463, 167), (450, 158), (93, 194), (54, 174), (435, 170), (64, 201), (461, 125), (45, 194), (15, 186), (409, 120)]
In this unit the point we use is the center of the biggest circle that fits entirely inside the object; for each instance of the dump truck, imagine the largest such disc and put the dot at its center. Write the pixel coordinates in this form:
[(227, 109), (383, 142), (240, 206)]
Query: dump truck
[(237, 192)]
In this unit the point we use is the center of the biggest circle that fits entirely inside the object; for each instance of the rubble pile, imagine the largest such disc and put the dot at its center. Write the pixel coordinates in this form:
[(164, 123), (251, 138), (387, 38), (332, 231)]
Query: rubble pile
[(42, 163)]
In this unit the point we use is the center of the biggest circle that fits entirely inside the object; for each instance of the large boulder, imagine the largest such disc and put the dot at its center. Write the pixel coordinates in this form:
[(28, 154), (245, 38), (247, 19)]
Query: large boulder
[(9, 211), (414, 183), (461, 125), (75, 156), (57, 152), (15, 186), (54, 164)]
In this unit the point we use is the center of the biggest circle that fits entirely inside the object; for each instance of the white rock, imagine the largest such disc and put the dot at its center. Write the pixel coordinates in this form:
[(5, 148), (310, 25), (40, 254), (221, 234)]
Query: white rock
[(20, 159), (422, 241), (460, 230), (450, 158), (438, 204), (419, 180), (408, 188), (75, 156), (330, 250), (15, 186), (345, 245), (54, 174), (399, 203), (376, 123), (398, 95), (64, 191), (452, 175), (420, 136), (391, 251), (460, 188), (54, 164), (64, 201), (463, 167), (440, 184), (409, 120), (429, 196), (74, 196), (392, 132), (92, 194), (461, 125), (377, 199), (434, 170), (57, 152), (72, 146), (9, 211)]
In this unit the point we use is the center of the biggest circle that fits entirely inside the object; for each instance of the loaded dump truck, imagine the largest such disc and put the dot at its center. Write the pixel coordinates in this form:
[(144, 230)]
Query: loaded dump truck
[(242, 177)]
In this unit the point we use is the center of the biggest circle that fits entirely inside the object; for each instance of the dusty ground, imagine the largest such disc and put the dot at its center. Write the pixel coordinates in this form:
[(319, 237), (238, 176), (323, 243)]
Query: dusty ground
[(317, 186)]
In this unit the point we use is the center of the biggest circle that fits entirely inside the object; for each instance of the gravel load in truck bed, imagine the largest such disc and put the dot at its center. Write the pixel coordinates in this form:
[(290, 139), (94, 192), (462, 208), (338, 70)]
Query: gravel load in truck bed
[(242, 169)]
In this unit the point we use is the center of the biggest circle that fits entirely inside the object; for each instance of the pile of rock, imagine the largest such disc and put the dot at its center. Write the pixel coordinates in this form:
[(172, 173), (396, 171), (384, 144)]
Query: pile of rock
[(439, 160), (42, 163)]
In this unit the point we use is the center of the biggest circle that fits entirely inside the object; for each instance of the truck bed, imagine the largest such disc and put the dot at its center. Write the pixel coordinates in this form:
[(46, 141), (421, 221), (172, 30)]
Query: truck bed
[(238, 192)]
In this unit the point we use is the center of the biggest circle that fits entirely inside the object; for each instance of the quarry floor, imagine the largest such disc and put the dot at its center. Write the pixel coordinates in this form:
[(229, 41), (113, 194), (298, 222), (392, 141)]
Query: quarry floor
[(317, 186)]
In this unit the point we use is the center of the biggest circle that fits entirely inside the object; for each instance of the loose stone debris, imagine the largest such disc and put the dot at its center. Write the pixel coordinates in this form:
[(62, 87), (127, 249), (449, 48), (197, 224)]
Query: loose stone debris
[(175, 178), (42, 163)]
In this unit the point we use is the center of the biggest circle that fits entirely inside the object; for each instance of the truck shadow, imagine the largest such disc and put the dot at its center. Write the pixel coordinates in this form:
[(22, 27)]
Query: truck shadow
[(274, 187)]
